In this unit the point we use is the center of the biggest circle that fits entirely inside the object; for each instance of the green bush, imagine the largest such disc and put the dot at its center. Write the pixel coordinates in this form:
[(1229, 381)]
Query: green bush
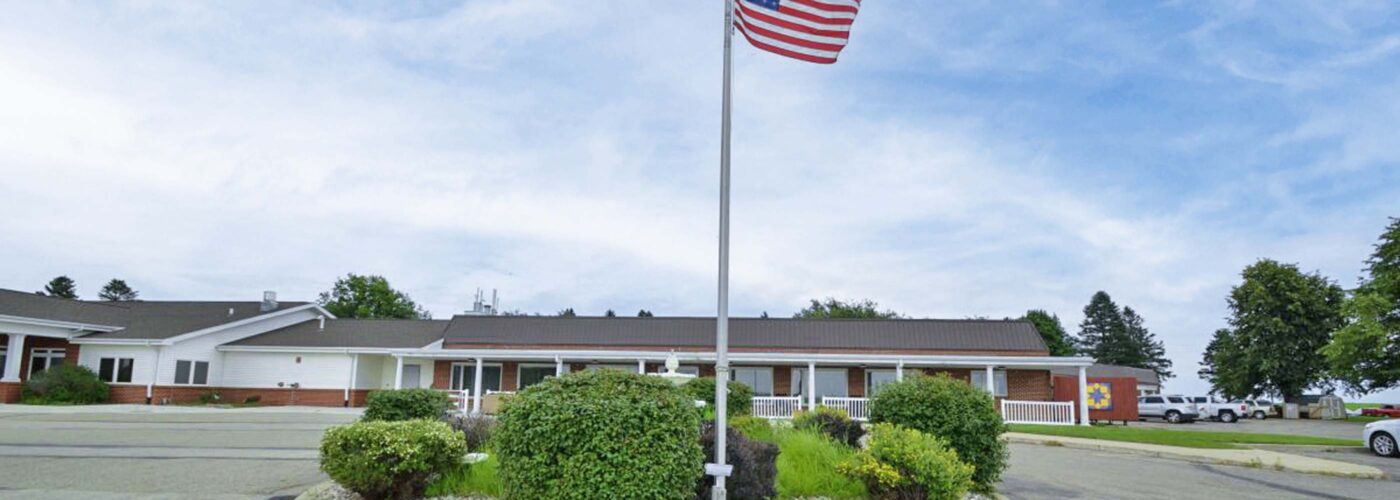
[(406, 404), (754, 428), (964, 416), (599, 434), (740, 400), (390, 459), (64, 384), (755, 465), (209, 397), (833, 422), (904, 463)]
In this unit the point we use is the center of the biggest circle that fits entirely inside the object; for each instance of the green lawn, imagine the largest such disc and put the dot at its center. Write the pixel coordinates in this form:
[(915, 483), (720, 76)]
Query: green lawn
[(1189, 439), (1358, 406)]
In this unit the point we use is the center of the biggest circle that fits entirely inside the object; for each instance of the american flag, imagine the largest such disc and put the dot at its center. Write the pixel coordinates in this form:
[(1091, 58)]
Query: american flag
[(810, 30)]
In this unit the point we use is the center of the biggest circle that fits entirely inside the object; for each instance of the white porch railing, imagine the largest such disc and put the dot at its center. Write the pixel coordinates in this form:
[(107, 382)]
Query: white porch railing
[(856, 408), (776, 406), (461, 400), (1037, 412)]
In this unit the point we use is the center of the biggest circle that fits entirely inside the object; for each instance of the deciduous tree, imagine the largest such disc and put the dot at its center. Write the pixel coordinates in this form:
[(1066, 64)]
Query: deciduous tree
[(1365, 353), (1052, 331), (833, 308), (368, 296)]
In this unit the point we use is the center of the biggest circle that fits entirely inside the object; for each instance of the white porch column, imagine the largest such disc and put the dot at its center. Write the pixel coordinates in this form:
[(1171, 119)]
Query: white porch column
[(642, 366), (899, 371), (354, 369), (155, 376), (1083, 397), (811, 385), (14, 354), (992, 380), (476, 389), (558, 366), (398, 372)]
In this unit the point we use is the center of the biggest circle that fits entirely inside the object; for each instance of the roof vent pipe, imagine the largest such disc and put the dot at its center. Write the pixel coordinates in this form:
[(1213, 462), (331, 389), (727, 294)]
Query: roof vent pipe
[(269, 301)]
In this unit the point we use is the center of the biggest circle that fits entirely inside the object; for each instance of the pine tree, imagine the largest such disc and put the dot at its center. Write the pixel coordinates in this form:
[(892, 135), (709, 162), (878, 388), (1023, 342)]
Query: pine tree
[(61, 287), (1102, 334), (610, 314), (1148, 352), (566, 313), (117, 291), (644, 313)]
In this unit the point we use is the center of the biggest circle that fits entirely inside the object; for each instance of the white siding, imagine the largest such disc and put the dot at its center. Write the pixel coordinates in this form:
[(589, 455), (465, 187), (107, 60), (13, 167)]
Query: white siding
[(143, 359), (425, 373), (201, 348), (267, 369), (371, 369)]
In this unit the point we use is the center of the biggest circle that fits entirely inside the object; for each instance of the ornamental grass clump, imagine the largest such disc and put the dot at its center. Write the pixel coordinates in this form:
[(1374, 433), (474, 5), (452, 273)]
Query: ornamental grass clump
[(905, 464), (963, 415), (599, 434), (390, 459)]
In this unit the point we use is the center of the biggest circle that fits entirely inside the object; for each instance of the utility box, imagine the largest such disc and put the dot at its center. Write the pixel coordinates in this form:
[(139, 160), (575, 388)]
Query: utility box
[(1290, 411)]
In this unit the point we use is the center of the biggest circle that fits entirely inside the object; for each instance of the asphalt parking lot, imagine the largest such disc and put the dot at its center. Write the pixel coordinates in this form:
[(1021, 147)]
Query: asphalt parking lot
[(133, 451), (1323, 428)]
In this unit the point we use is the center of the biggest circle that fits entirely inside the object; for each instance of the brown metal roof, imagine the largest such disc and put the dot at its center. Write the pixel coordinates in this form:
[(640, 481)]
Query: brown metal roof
[(386, 333), (773, 333)]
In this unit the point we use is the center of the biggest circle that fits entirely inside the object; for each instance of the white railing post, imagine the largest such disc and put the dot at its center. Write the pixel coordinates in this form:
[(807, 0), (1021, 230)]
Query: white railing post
[(1037, 412), (476, 387)]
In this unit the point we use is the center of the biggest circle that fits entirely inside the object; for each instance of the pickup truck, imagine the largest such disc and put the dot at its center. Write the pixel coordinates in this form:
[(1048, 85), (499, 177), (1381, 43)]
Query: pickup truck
[(1385, 411), (1218, 409)]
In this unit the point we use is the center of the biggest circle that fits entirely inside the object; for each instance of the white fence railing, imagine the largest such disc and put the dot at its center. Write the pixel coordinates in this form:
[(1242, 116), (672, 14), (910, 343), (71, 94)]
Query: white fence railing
[(856, 408), (1037, 412), (776, 406), (461, 400)]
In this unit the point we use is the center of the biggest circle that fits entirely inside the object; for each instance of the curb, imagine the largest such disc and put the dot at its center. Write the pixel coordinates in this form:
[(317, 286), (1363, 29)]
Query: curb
[(1252, 458)]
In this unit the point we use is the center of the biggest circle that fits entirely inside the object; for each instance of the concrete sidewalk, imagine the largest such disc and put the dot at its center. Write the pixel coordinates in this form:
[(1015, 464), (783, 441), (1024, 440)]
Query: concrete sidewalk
[(1254, 458), (109, 409)]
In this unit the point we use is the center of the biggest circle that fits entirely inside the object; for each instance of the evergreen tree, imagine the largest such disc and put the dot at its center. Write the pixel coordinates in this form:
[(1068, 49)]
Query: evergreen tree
[(610, 314), (566, 313), (117, 291), (1365, 353), (1052, 331), (61, 287), (1149, 352), (1103, 335), (764, 315), (644, 313)]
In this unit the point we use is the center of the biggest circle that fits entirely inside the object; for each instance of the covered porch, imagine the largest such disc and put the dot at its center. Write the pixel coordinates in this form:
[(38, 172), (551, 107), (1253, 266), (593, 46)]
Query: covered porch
[(783, 383)]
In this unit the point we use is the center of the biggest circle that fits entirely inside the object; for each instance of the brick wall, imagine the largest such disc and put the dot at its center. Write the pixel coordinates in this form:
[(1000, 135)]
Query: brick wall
[(442, 374), (508, 376), (9, 392), (1028, 385), (275, 396), (782, 381), (855, 382), (70, 353)]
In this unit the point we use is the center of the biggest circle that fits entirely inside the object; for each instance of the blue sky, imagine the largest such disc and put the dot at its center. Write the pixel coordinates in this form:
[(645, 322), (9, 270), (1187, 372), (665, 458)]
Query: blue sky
[(962, 159)]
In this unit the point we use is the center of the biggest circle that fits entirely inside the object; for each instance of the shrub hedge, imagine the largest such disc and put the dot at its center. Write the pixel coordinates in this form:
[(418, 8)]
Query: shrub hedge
[(833, 422), (390, 459), (907, 464), (599, 434), (740, 400), (755, 465), (475, 430), (406, 404), (64, 384), (753, 428), (964, 416)]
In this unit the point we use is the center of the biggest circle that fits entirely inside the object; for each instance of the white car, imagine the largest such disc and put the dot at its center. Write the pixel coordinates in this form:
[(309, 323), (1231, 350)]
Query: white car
[(1174, 409), (1215, 408), (1380, 436)]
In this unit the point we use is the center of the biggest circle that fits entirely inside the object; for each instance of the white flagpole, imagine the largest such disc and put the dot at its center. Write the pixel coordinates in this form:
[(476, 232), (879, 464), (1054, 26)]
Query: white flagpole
[(722, 319)]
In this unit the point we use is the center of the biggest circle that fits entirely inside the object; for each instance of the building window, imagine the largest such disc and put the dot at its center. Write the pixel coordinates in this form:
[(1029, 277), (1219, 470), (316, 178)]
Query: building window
[(41, 359), (115, 369), (831, 382), (191, 372), (528, 375), (758, 379), (874, 379), (979, 380), (464, 377), (4, 355)]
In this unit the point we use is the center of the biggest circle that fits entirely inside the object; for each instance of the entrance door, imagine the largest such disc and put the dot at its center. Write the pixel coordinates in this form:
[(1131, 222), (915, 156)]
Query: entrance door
[(412, 374)]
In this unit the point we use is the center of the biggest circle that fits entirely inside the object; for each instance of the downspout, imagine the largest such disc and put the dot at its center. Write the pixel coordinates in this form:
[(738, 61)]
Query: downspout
[(354, 371), (155, 374)]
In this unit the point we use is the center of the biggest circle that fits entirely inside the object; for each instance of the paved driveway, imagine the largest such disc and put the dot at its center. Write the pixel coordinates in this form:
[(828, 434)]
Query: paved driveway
[(126, 451), (1044, 472), (1323, 428)]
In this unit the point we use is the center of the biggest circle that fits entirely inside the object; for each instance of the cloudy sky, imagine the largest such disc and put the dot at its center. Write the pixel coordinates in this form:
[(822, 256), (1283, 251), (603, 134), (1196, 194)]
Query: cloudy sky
[(962, 159)]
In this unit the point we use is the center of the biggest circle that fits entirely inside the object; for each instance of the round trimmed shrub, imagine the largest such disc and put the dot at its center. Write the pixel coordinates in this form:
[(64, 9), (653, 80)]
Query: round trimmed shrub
[(907, 464), (833, 422), (390, 459), (740, 398), (406, 404), (755, 465), (756, 428), (64, 384), (599, 434), (964, 416)]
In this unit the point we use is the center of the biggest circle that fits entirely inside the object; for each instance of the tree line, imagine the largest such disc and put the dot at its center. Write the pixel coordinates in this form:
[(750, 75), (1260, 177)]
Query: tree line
[(64, 287), (1291, 331)]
